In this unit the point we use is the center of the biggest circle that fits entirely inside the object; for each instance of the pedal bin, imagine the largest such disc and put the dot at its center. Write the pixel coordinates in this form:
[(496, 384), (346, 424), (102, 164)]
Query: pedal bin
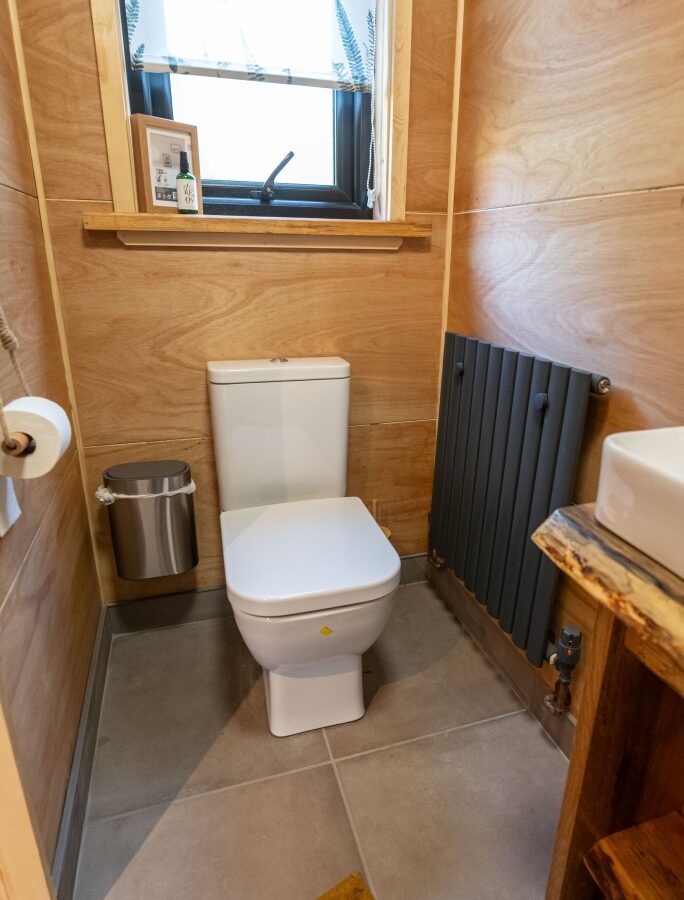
[(151, 517)]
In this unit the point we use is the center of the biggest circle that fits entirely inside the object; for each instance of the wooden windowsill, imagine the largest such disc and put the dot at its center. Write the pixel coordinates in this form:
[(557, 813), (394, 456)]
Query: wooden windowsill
[(159, 230)]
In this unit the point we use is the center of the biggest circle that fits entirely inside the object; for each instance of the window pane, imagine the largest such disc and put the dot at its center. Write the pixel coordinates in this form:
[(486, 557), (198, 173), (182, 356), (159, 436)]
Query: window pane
[(245, 128)]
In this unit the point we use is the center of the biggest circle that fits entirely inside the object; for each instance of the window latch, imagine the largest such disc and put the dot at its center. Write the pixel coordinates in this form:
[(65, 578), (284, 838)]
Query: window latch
[(267, 192)]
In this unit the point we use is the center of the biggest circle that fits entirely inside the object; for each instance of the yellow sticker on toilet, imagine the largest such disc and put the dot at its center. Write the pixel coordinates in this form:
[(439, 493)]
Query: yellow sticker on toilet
[(325, 630)]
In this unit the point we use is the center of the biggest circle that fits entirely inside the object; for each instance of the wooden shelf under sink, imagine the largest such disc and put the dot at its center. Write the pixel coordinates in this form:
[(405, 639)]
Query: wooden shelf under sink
[(646, 861)]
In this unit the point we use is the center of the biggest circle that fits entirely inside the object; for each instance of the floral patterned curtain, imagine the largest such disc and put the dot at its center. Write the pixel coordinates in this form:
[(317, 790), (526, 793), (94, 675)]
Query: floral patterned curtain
[(320, 43)]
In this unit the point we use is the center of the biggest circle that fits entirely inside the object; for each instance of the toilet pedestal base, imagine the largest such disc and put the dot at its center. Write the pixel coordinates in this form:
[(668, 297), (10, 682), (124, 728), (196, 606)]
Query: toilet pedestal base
[(302, 698)]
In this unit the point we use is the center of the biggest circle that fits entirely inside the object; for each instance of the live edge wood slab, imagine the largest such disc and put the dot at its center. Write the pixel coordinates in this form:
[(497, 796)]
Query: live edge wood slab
[(644, 595), (641, 863), (627, 762)]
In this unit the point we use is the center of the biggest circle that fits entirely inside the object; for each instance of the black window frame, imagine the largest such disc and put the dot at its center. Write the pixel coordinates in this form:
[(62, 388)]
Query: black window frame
[(150, 93)]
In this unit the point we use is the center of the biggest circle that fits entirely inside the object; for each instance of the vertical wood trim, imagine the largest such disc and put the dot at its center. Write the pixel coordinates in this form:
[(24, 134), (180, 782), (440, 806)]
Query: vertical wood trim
[(400, 49), (52, 271), (114, 97), (448, 241), (23, 871)]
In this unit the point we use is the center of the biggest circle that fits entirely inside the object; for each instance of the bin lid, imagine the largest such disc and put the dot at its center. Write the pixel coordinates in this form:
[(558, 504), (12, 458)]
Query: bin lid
[(154, 476)]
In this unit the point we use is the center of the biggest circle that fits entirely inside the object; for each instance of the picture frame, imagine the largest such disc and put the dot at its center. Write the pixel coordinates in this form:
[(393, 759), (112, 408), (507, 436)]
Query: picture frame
[(156, 152)]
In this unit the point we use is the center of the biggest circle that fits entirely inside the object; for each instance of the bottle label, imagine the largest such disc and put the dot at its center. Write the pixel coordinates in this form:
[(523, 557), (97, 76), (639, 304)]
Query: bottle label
[(187, 194)]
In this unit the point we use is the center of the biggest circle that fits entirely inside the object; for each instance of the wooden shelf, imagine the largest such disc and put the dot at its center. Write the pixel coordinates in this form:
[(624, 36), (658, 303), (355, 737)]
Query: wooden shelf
[(646, 861), (646, 596), (157, 230)]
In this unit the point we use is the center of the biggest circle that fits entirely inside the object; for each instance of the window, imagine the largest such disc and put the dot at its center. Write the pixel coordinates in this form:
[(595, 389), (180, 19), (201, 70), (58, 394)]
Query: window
[(296, 98)]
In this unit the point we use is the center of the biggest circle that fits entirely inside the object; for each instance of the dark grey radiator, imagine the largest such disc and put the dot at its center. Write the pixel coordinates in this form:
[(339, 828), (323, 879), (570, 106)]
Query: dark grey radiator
[(508, 442)]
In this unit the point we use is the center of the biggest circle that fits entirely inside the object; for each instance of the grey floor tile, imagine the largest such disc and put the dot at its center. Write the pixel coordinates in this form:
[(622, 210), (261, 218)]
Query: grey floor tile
[(414, 568), (283, 839), (467, 815), (184, 712), (174, 609), (423, 675)]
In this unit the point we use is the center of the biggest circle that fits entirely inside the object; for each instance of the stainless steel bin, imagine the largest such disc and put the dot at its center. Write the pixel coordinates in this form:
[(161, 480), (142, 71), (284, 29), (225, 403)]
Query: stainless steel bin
[(151, 517)]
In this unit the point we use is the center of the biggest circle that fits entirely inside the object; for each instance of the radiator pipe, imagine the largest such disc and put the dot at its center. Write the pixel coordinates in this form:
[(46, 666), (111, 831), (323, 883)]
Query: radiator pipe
[(564, 656)]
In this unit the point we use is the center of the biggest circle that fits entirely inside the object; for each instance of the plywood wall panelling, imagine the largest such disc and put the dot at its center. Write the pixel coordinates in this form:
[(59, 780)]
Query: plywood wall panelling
[(393, 464), (593, 283), (16, 169), (199, 453), (65, 97), (569, 99), (27, 302), (142, 324), (47, 628), (432, 72)]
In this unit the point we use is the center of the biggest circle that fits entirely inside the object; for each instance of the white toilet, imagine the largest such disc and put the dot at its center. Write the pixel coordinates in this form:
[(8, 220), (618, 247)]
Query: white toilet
[(310, 575)]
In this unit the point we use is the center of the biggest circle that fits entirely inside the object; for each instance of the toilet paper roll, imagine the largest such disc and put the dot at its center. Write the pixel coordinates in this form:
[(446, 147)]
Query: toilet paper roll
[(48, 425)]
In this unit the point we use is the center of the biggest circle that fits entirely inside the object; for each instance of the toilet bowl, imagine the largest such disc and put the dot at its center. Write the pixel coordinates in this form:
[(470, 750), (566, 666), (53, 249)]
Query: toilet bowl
[(310, 575), (312, 586)]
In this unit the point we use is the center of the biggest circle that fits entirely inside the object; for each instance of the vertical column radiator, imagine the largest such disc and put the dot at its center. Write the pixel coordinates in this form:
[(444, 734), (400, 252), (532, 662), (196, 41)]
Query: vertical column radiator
[(508, 443)]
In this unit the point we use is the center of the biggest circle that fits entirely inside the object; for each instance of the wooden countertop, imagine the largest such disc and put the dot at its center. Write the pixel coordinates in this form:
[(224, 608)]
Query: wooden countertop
[(646, 596)]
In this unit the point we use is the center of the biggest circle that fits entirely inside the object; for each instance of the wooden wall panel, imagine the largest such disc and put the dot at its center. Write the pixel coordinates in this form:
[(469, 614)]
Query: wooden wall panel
[(559, 101), (48, 590), (16, 169), (27, 302), (391, 463), (142, 324), (568, 99), (65, 97), (47, 629), (62, 71), (433, 46), (594, 283)]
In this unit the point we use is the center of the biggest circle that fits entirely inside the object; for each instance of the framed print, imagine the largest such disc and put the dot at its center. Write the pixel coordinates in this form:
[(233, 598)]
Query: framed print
[(157, 144)]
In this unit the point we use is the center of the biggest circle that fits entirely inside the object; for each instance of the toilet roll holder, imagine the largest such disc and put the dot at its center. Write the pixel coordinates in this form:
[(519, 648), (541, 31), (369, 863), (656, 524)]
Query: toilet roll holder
[(14, 443), (18, 444)]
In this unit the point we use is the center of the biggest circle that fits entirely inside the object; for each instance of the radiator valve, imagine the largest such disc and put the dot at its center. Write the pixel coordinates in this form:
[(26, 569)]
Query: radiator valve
[(565, 657)]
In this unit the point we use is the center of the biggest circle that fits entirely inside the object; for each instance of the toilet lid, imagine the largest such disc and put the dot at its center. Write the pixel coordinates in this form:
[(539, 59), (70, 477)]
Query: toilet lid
[(306, 555)]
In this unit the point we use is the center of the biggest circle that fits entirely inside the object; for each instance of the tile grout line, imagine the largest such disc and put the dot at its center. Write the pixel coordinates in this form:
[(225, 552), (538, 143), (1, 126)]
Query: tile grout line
[(431, 734), (350, 818), (332, 760), (200, 794)]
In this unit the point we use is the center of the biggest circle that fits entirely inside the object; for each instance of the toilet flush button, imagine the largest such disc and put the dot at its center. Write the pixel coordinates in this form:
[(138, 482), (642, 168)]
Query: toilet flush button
[(326, 631)]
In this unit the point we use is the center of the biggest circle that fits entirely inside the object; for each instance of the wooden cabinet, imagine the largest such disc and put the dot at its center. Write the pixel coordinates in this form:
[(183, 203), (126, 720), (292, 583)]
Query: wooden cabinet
[(627, 763)]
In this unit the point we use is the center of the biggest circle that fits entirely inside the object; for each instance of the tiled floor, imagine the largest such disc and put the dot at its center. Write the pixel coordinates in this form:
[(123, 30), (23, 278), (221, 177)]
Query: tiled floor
[(445, 789)]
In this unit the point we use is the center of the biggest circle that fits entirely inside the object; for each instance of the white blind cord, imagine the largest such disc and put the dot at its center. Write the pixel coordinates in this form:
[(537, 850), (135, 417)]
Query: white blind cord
[(370, 188), (370, 191)]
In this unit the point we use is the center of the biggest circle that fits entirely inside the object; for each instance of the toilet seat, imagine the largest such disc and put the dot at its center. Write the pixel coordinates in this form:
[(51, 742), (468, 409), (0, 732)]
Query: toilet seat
[(305, 556)]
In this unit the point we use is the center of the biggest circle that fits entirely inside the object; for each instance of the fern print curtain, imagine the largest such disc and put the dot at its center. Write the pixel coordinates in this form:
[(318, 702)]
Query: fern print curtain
[(319, 43)]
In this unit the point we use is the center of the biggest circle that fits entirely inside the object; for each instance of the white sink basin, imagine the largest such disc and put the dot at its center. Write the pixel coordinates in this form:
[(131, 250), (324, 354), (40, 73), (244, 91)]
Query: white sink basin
[(641, 492)]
